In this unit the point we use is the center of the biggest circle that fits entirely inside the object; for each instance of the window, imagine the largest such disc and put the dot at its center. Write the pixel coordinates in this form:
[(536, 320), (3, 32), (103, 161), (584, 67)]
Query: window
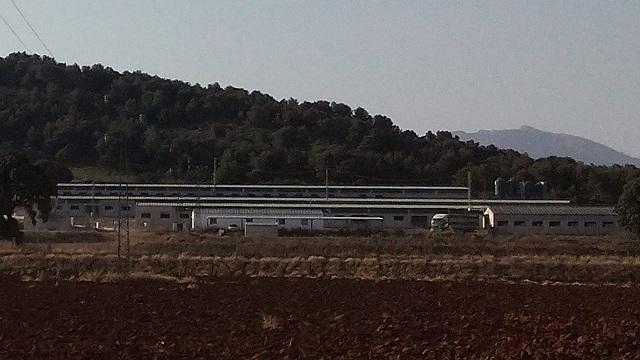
[(184, 216), (281, 221), (125, 208), (108, 207), (165, 216), (145, 215), (607, 224), (74, 207), (212, 221), (249, 220), (589, 223), (304, 222), (518, 223), (503, 223), (554, 223), (536, 223), (572, 223), (398, 218)]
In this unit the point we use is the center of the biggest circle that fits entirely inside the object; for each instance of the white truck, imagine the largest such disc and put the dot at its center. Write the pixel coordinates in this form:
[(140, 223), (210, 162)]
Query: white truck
[(463, 221)]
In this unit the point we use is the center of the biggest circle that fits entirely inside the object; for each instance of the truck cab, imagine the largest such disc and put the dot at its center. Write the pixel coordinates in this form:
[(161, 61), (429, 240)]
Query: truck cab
[(439, 222)]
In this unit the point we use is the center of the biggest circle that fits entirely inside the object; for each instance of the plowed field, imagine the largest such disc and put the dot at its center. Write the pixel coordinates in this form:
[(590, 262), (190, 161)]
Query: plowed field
[(331, 319)]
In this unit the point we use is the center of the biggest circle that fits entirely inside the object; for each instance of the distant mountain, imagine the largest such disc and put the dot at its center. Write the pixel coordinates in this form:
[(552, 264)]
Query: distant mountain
[(539, 144)]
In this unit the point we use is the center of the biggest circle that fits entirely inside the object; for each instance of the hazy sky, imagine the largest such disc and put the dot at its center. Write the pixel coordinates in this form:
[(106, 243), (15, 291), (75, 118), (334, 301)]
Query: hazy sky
[(567, 66)]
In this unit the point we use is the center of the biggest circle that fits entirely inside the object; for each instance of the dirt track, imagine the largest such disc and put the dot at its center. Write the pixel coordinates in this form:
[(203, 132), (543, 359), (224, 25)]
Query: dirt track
[(278, 318)]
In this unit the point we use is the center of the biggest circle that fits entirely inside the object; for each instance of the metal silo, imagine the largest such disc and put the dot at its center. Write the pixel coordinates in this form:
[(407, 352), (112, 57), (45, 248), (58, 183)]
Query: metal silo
[(528, 189), (500, 188), (512, 187), (541, 189)]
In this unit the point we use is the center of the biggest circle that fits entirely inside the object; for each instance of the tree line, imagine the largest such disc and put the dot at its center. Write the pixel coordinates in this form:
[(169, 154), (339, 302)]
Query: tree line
[(170, 131)]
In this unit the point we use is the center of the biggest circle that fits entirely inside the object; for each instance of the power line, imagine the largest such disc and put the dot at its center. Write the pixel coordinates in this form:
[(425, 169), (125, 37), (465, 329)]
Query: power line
[(31, 27), (15, 33)]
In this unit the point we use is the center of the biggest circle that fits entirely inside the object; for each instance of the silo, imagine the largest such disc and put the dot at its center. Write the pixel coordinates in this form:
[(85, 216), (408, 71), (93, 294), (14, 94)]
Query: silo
[(528, 189), (541, 189), (520, 194), (500, 188), (512, 188)]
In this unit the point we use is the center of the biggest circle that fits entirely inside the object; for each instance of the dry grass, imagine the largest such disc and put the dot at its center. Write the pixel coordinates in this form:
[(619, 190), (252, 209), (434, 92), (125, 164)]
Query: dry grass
[(186, 269), (185, 258), (424, 244)]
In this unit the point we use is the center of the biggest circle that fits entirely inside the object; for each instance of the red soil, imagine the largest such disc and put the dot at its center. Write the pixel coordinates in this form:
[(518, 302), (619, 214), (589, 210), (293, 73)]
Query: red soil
[(296, 318)]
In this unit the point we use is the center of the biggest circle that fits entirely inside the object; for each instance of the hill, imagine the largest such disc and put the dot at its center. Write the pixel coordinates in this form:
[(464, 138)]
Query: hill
[(538, 144), (108, 123)]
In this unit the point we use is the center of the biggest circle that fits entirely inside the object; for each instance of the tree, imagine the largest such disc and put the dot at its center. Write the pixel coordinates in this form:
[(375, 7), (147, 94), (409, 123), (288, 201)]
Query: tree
[(24, 184), (628, 207), (172, 130)]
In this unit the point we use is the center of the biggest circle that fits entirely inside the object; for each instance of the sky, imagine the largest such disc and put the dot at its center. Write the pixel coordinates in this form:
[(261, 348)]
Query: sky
[(562, 66)]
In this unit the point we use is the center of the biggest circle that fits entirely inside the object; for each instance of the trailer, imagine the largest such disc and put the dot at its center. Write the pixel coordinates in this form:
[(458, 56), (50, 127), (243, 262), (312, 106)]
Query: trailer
[(456, 221)]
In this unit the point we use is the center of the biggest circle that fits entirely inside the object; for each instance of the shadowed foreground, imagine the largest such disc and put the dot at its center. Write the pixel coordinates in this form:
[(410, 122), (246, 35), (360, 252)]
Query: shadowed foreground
[(279, 318)]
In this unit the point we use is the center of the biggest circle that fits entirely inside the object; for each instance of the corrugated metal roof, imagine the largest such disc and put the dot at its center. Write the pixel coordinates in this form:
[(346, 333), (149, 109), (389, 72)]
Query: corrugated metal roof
[(245, 212), (552, 210), (308, 206), (312, 200), (235, 213), (208, 186)]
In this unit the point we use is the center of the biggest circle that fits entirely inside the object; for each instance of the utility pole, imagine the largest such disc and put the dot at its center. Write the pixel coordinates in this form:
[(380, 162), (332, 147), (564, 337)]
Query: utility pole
[(469, 191), (126, 200), (326, 184), (124, 208), (215, 165), (119, 203)]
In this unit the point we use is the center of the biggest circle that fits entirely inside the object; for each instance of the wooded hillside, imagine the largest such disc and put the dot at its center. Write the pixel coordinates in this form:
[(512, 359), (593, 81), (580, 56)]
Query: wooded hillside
[(169, 130)]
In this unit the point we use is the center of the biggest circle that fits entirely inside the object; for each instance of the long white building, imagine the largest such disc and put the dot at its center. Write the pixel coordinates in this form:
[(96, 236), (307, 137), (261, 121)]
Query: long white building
[(191, 207)]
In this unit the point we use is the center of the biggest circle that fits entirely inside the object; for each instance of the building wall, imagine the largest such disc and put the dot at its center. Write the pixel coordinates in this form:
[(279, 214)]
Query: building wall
[(555, 224), (63, 223), (205, 221), (266, 230), (165, 218), (392, 219), (353, 225), (93, 208)]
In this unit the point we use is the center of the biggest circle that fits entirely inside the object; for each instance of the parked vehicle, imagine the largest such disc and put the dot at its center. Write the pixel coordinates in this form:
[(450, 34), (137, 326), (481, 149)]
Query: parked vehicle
[(439, 222), (458, 221)]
